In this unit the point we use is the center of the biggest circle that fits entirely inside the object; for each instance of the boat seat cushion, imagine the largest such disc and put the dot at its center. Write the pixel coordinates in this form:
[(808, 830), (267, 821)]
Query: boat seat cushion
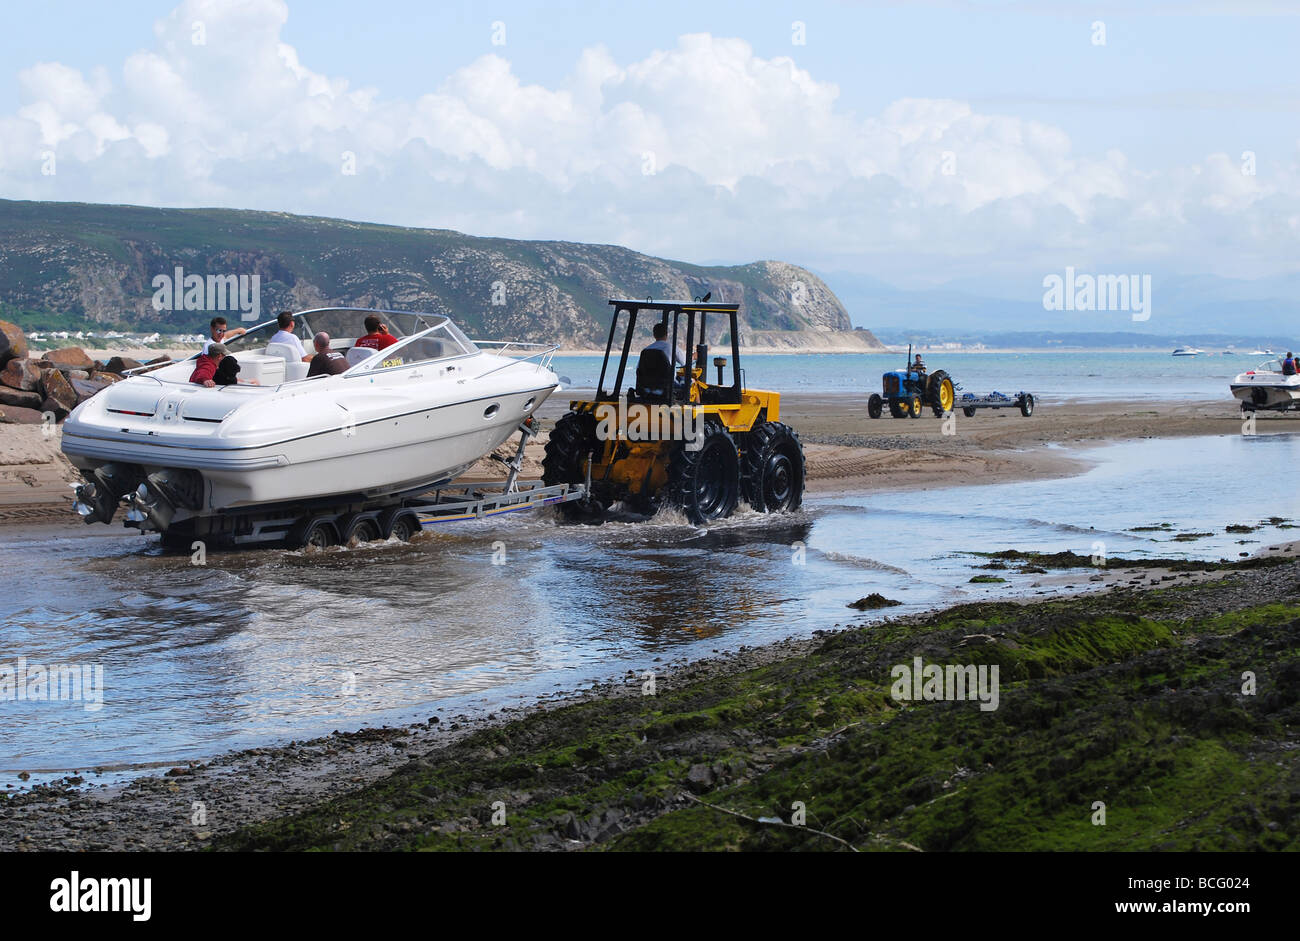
[(359, 354)]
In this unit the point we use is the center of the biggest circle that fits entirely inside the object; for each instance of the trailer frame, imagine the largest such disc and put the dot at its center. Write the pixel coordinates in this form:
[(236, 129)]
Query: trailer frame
[(322, 524), (970, 402)]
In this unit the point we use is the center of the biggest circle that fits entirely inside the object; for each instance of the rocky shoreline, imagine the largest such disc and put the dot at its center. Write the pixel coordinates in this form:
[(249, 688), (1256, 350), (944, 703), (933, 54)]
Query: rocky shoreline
[(1131, 694), (53, 383)]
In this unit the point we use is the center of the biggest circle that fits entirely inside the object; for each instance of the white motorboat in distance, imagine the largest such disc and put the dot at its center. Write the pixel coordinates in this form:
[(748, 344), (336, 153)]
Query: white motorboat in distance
[(1188, 351), (397, 422), (1266, 388)]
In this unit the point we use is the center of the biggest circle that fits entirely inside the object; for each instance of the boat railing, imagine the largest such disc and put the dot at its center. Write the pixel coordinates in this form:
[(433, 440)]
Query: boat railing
[(544, 354)]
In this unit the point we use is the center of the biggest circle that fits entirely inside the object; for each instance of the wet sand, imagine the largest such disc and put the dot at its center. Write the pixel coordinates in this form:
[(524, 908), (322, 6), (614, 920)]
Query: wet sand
[(846, 450)]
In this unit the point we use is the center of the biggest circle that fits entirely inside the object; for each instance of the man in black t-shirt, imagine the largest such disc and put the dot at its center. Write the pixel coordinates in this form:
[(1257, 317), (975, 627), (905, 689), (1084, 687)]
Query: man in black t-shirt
[(326, 362)]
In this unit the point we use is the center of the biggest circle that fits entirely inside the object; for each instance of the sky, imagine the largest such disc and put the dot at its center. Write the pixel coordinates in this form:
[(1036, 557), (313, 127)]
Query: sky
[(921, 144)]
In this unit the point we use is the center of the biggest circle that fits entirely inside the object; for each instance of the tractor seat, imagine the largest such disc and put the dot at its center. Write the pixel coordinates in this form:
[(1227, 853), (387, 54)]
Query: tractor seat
[(654, 376)]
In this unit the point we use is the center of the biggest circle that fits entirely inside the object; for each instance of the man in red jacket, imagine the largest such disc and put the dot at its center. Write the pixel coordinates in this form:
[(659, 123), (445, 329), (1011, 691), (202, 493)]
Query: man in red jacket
[(205, 367)]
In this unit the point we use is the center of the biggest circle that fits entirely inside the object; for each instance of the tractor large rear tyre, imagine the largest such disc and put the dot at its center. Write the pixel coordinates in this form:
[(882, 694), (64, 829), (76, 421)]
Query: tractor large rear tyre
[(705, 482), (897, 409), (773, 470), (941, 393)]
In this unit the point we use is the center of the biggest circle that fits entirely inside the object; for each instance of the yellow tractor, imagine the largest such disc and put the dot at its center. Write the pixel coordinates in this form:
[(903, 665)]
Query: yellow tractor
[(673, 437)]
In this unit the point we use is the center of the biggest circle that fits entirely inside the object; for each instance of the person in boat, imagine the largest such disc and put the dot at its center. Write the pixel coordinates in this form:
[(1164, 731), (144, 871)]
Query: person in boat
[(217, 367), (219, 332), (1288, 364), (207, 364), (286, 335), (377, 336), (326, 362)]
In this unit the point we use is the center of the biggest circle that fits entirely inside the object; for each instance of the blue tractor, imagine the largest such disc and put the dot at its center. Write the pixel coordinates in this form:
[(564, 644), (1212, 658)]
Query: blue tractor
[(909, 390)]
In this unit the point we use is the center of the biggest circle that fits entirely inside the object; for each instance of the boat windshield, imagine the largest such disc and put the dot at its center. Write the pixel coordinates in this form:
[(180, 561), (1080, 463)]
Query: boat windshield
[(1269, 365), (441, 342), (345, 326)]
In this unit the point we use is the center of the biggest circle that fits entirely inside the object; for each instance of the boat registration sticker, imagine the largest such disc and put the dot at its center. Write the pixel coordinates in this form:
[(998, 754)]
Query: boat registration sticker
[(395, 361)]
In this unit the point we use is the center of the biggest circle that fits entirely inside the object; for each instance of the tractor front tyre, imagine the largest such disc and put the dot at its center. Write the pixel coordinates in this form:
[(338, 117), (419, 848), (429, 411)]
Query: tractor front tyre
[(875, 405), (914, 406), (705, 482), (571, 445), (773, 470), (941, 393), (571, 442)]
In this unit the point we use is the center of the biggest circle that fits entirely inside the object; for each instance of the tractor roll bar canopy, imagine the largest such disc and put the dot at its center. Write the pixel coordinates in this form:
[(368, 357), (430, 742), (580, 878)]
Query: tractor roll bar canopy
[(669, 311)]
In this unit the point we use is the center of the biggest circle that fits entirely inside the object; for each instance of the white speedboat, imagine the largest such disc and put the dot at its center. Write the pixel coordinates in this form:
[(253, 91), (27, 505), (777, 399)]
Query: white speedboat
[(1188, 351), (397, 422), (1266, 388)]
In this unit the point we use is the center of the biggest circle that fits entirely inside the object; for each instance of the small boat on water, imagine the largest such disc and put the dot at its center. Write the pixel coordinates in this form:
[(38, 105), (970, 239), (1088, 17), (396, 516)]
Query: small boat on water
[(1188, 351), (410, 418), (1267, 388)]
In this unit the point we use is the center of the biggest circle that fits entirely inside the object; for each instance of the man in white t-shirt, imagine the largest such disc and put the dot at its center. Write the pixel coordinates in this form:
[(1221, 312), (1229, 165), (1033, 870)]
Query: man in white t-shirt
[(285, 335), (220, 333), (661, 344)]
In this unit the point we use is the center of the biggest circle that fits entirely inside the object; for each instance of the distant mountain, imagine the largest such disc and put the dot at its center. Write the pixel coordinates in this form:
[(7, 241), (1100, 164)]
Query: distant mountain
[(1181, 306), (65, 264)]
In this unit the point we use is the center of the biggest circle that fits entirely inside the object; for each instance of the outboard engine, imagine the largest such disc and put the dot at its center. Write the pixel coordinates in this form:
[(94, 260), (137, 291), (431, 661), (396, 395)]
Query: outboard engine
[(155, 502), (98, 499)]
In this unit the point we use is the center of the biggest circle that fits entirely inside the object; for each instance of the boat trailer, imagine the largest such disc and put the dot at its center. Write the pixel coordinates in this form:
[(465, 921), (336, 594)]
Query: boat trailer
[(361, 520), (969, 402)]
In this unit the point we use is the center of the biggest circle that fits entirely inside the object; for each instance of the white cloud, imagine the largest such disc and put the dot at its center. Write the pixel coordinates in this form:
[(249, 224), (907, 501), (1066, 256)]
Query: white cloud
[(751, 157)]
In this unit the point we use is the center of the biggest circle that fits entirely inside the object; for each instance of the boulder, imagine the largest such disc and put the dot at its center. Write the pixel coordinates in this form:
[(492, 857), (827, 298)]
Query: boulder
[(159, 359), (10, 396), (13, 342), (108, 378), (60, 397), (120, 364), (21, 374), (17, 415), (73, 356), (85, 388)]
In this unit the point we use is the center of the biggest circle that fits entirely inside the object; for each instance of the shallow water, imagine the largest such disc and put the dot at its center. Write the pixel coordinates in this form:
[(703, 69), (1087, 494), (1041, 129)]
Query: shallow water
[(268, 646), (1095, 376)]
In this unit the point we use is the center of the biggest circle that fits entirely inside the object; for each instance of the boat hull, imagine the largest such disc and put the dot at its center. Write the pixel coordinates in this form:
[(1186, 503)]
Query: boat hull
[(353, 440)]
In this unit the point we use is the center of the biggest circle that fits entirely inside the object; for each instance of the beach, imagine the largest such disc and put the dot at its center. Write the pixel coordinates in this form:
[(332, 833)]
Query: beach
[(538, 751), (845, 449)]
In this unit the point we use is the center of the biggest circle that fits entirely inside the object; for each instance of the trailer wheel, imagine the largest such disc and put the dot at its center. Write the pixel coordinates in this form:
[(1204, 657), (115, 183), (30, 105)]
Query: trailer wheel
[(403, 525), (915, 405), (968, 411), (360, 529), (875, 405), (1027, 405), (315, 532)]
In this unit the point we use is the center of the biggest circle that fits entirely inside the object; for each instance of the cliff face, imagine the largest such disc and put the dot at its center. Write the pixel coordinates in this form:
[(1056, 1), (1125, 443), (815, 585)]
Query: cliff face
[(99, 263)]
